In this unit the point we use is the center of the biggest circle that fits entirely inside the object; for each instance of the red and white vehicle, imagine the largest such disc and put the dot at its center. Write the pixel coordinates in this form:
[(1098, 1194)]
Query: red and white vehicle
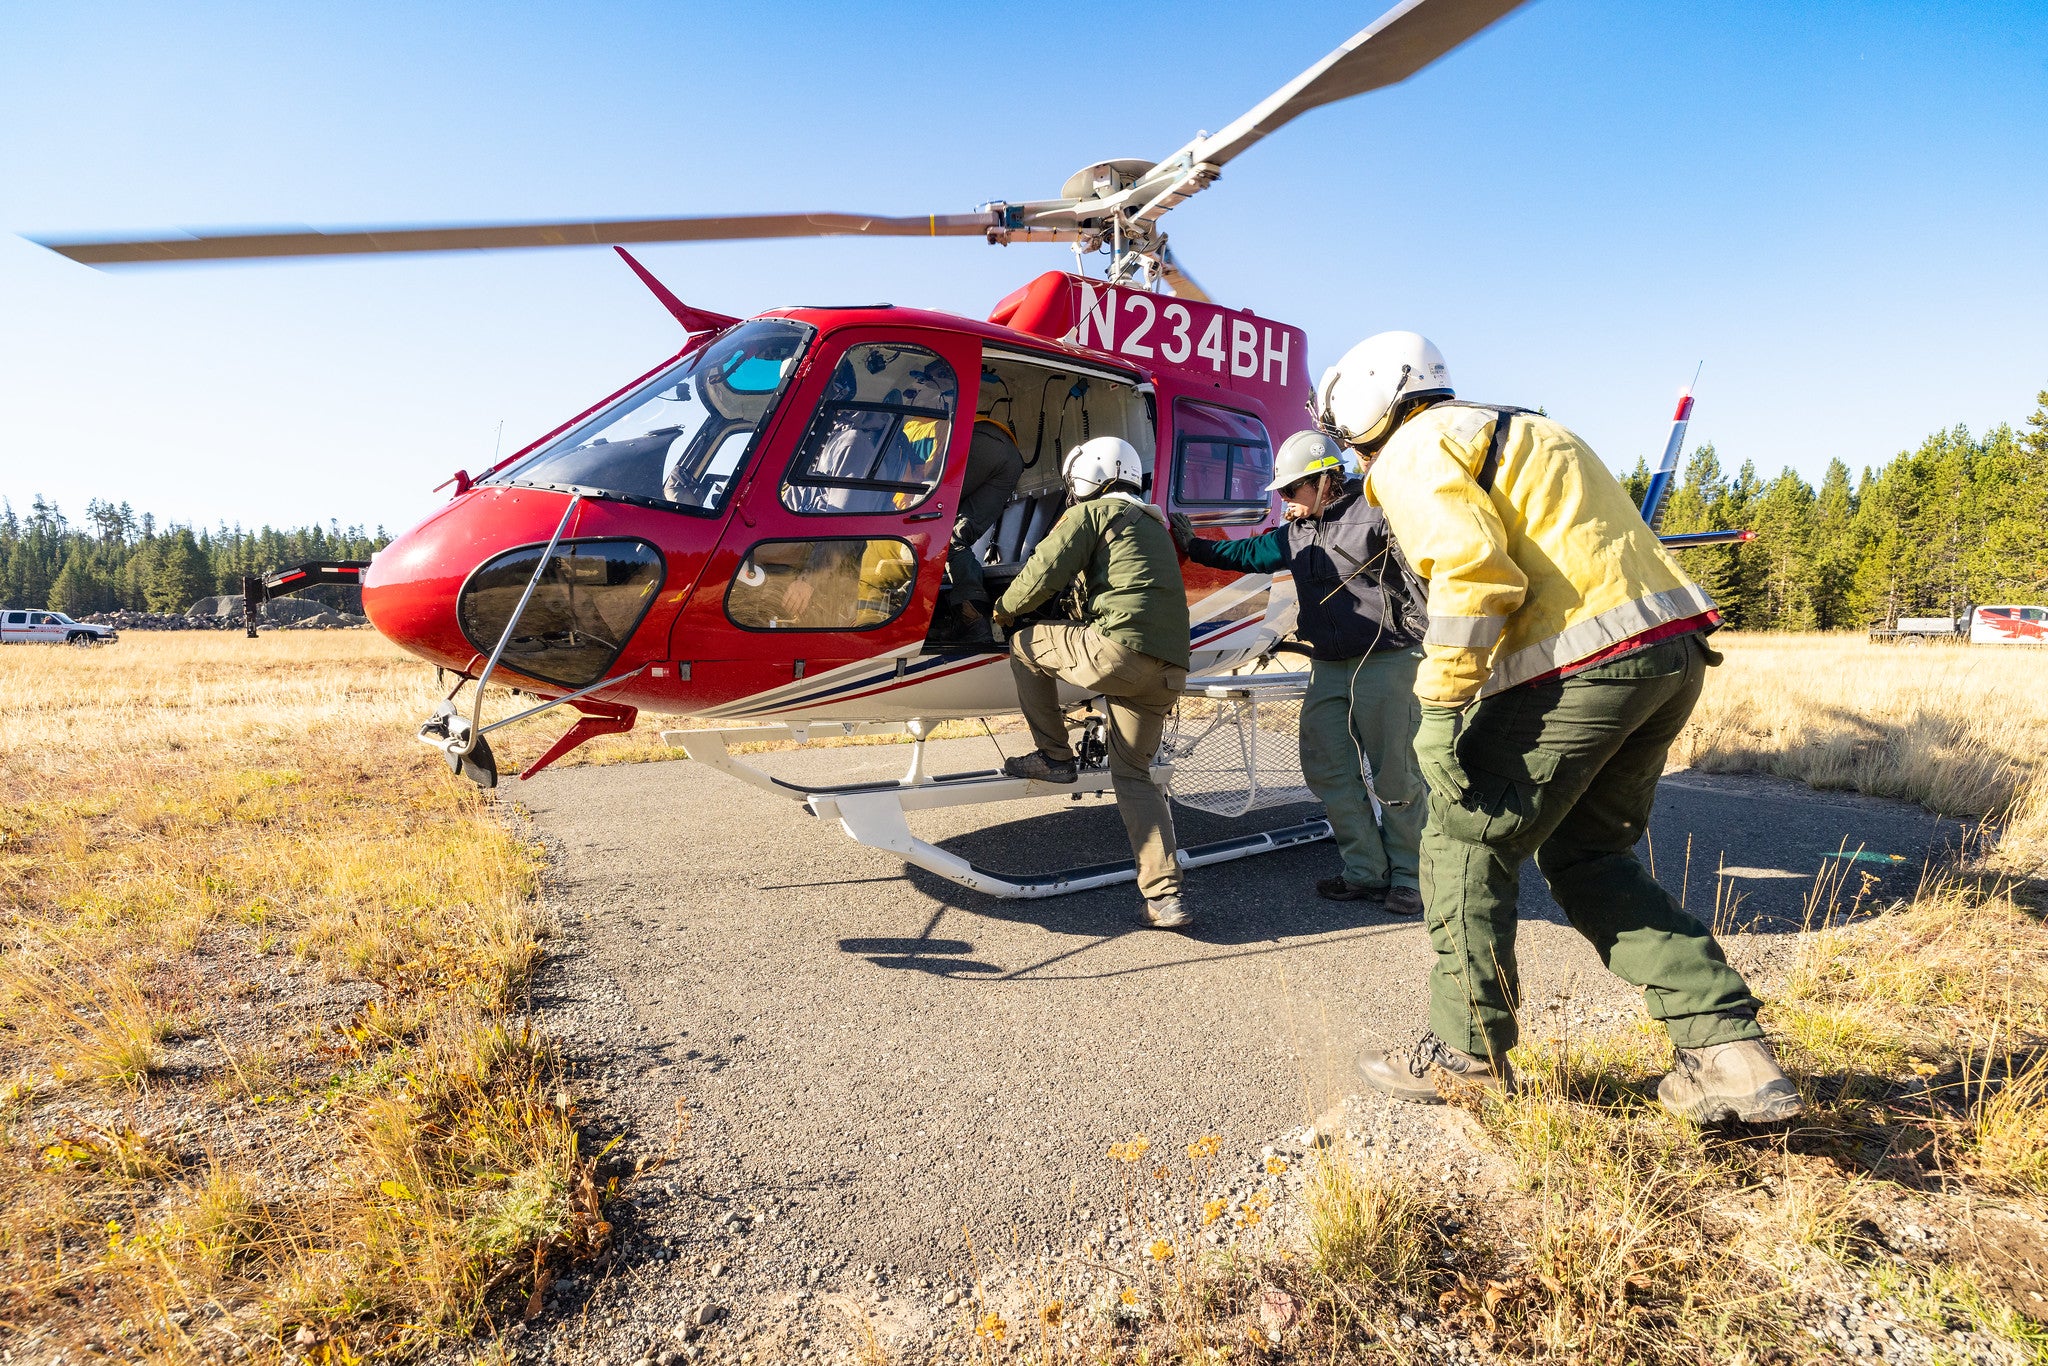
[(2002, 624), (2009, 624)]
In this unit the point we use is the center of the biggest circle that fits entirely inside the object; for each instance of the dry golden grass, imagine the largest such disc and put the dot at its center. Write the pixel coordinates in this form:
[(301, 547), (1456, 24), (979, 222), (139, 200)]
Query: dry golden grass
[(199, 834), (1961, 729)]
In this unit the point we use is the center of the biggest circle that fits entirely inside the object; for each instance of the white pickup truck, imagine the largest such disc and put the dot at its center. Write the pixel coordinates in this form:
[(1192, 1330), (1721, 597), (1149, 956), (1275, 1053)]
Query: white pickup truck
[(32, 627)]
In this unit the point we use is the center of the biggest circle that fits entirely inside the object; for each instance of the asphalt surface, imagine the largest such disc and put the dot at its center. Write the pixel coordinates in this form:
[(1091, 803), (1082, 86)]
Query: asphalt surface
[(889, 1063)]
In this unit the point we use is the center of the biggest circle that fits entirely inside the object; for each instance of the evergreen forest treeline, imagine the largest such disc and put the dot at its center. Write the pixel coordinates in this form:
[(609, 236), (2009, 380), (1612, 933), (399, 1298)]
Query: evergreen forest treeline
[(117, 560), (1961, 520)]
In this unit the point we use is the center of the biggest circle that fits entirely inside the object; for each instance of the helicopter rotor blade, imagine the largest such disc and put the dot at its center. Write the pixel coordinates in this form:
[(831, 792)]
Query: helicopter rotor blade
[(482, 237), (1392, 48), (1180, 282)]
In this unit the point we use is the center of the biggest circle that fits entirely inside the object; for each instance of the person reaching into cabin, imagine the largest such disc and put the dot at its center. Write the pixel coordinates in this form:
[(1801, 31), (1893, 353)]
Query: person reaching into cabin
[(1565, 650), (1130, 646), (1360, 613), (994, 467)]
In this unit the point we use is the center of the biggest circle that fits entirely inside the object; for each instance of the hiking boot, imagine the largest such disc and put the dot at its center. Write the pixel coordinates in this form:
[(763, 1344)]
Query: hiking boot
[(1739, 1080), (1337, 889), (1405, 1073), (1036, 765), (969, 632), (1402, 901), (1167, 913)]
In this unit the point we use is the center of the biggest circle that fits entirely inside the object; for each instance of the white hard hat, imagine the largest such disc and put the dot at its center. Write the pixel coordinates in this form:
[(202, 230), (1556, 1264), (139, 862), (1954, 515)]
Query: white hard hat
[(1094, 465), (1356, 399), (1305, 454)]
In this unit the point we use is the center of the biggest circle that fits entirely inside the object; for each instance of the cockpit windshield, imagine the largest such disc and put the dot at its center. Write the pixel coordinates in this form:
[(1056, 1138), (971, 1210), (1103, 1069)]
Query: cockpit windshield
[(681, 438)]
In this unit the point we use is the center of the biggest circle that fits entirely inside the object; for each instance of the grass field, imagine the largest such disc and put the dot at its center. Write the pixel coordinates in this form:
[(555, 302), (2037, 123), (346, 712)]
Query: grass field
[(266, 1089)]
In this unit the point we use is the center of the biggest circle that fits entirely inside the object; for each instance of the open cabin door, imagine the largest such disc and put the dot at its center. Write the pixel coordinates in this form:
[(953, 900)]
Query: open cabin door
[(828, 574)]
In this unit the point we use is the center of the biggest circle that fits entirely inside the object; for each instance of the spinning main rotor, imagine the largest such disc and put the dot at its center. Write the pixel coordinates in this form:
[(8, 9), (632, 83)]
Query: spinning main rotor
[(1115, 205)]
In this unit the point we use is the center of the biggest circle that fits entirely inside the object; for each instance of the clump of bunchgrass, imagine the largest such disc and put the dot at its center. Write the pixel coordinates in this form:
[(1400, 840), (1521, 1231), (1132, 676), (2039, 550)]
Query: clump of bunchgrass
[(1366, 1225)]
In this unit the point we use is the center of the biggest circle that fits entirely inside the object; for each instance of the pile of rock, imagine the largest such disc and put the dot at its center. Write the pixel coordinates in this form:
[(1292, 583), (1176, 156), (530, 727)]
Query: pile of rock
[(225, 614)]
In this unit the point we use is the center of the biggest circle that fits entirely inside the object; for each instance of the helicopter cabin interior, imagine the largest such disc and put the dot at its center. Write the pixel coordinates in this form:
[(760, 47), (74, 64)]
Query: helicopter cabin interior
[(1048, 410)]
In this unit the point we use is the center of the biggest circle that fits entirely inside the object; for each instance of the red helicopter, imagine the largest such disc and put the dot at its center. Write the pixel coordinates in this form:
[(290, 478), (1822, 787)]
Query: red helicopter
[(756, 530)]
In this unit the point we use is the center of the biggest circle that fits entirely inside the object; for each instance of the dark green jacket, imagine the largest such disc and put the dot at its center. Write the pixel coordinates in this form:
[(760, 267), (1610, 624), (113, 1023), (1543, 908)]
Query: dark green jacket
[(1135, 594)]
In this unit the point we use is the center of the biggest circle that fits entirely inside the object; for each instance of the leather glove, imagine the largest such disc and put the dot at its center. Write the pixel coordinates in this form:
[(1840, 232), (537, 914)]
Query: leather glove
[(1436, 751), (1183, 531)]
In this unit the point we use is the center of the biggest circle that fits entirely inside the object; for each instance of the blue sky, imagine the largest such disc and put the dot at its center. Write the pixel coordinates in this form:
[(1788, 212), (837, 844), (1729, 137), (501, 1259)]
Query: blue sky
[(1838, 207)]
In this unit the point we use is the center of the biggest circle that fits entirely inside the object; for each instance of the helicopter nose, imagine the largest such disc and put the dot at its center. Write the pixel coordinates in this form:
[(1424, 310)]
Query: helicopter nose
[(454, 587), (412, 591)]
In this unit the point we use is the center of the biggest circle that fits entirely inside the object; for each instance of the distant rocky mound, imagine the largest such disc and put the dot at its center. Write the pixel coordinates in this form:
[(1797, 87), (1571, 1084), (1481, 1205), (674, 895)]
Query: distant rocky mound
[(224, 613)]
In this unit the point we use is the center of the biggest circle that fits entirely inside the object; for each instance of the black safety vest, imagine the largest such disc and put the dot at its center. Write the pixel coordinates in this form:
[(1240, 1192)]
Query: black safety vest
[(1356, 593)]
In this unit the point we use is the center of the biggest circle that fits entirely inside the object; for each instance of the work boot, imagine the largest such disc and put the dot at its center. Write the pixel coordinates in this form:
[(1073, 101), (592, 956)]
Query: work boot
[(1045, 770), (969, 632), (1739, 1080), (1402, 901), (1337, 889), (1168, 913), (1405, 1073)]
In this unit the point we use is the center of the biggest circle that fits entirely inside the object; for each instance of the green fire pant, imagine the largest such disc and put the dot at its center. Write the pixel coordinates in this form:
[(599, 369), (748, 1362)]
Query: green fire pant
[(1140, 692), (1366, 707), (1567, 770)]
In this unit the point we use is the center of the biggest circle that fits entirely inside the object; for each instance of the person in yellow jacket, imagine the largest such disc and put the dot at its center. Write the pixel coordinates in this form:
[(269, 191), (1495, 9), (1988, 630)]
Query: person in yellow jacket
[(1564, 652)]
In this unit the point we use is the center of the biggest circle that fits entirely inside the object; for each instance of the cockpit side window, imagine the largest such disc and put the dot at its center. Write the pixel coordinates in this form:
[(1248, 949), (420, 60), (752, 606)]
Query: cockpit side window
[(878, 442)]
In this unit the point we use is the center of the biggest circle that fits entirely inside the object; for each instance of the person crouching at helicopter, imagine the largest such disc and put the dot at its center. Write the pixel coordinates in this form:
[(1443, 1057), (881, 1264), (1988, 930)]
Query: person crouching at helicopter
[(1361, 616), (994, 467), (1564, 654), (1131, 647)]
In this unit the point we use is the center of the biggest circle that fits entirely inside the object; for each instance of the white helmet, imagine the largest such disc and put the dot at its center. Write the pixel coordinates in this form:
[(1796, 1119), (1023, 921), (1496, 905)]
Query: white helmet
[(1357, 398), (1305, 454), (1094, 465)]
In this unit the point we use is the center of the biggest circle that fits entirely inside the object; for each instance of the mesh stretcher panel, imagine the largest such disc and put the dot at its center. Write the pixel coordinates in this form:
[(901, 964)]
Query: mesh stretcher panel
[(1232, 756)]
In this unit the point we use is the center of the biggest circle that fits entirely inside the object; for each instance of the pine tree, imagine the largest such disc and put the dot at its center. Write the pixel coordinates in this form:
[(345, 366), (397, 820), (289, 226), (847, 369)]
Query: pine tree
[(181, 577), (78, 590), (1833, 555), (1636, 483), (1781, 557)]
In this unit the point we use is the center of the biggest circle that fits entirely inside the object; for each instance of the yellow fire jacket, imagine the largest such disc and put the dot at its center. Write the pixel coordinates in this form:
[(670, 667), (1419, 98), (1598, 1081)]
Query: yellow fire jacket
[(1554, 566)]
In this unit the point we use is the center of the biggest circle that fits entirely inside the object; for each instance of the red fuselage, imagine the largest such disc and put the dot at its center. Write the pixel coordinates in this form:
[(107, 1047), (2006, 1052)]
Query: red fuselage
[(1208, 384)]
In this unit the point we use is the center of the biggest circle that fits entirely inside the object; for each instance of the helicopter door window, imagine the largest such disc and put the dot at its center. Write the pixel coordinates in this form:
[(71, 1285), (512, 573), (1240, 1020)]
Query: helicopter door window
[(878, 443), (679, 440), (835, 585), (1222, 459)]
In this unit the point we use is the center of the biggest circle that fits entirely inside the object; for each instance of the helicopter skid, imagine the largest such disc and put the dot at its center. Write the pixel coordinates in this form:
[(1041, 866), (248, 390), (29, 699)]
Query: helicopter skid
[(873, 813), (875, 818)]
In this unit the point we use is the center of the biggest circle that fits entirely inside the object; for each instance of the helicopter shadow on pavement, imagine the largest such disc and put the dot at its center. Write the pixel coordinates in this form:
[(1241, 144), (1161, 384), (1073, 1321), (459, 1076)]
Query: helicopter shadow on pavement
[(1253, 907)]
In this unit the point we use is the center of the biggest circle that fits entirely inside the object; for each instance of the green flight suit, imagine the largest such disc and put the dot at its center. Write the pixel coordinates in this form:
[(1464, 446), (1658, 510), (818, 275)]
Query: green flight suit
[(1567, 770), (1132, 651)]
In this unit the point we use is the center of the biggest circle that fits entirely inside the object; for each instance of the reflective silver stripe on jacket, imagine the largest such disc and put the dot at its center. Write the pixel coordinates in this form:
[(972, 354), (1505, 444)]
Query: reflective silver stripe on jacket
[(1464, 633), (1591, 636)]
